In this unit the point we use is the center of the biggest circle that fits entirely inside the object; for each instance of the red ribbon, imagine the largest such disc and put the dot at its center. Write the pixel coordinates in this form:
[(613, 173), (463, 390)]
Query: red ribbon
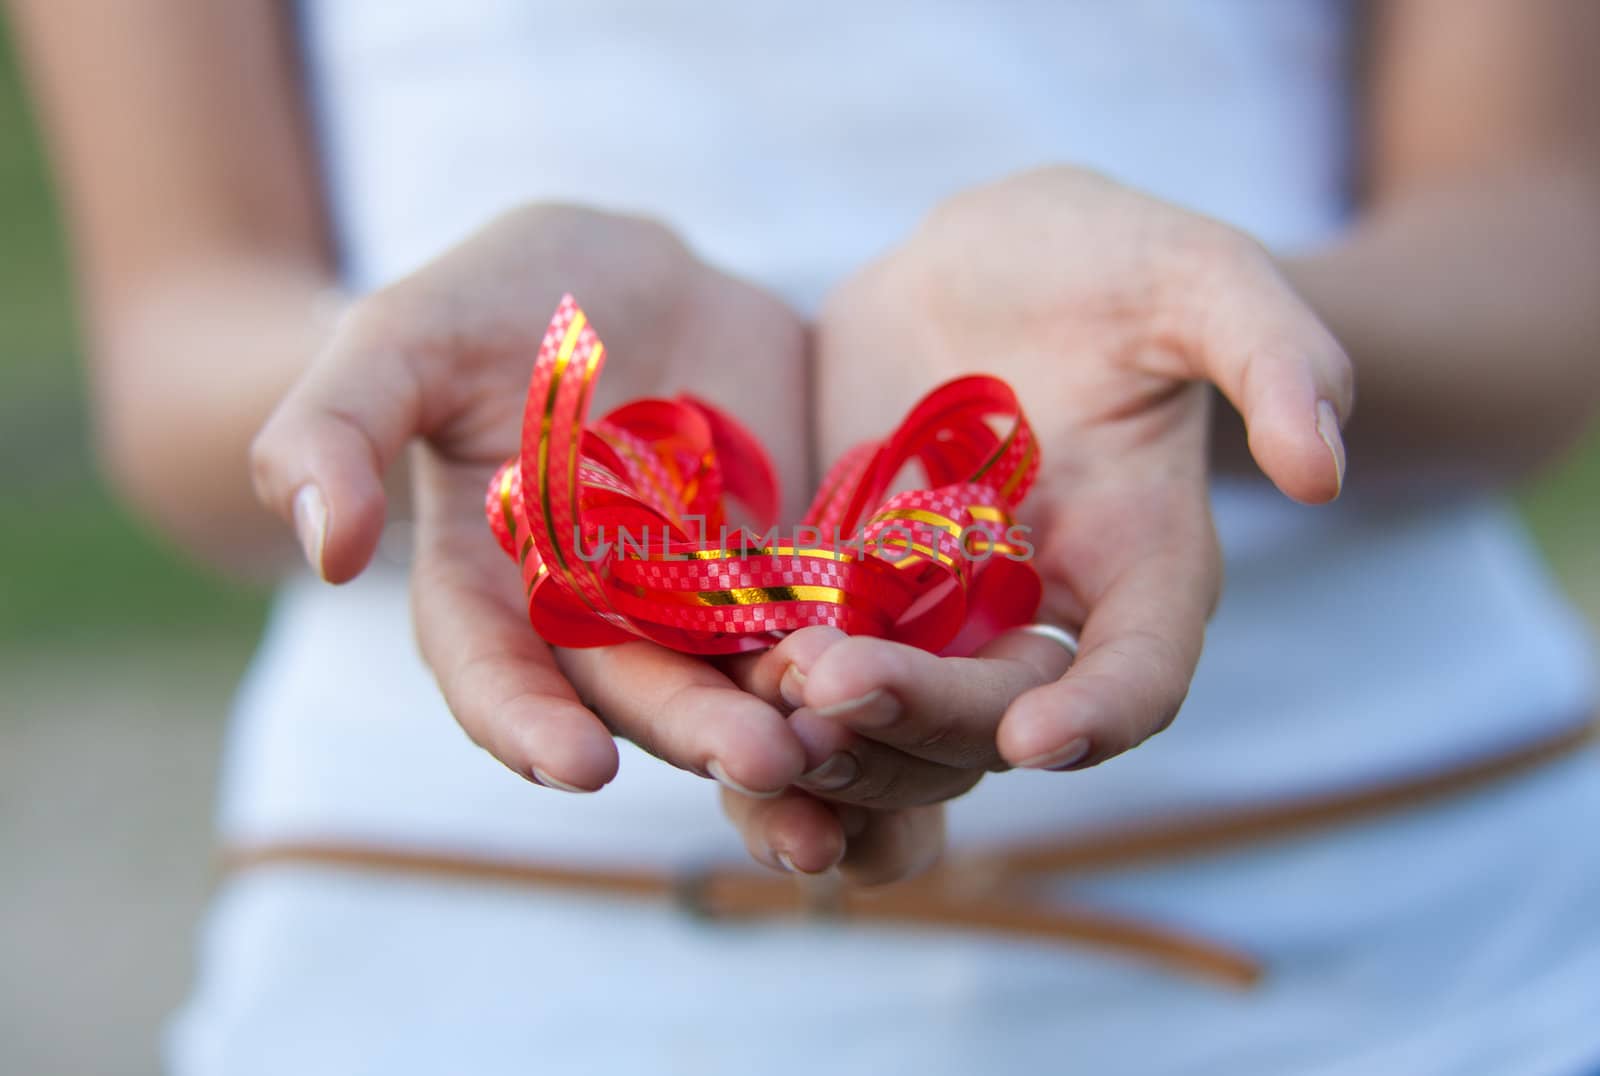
[(621, 525)]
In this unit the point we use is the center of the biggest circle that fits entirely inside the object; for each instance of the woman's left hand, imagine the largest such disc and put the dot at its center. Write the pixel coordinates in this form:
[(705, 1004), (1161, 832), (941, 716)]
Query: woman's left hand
[(1109, 312)]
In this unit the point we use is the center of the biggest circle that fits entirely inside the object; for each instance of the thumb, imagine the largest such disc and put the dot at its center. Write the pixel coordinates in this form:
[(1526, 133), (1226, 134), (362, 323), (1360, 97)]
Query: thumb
[(1284, 372), (319, 461)]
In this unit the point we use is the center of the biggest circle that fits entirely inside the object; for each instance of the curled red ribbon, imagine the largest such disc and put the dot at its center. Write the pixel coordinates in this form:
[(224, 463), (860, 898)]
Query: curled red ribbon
[(620, 525)]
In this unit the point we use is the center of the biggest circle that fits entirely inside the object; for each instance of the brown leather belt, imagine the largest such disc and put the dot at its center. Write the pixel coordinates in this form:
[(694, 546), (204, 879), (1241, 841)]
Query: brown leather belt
[(984, 891)]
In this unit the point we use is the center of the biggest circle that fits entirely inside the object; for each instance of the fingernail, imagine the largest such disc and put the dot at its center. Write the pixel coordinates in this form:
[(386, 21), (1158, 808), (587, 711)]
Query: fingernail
[(311, 523), (786, 861), (835, 773), (872, 710), (792, 686), (1068, 754), (561, 786), (1328, 430), (720, 775)]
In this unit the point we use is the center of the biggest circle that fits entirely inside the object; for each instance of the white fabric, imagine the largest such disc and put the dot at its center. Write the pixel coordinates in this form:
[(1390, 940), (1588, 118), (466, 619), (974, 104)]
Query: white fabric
[(1460, 940), (789, 142)]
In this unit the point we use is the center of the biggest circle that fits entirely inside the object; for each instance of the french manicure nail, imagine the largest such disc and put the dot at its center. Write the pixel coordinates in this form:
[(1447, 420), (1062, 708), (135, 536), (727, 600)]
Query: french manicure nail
[(551, 782), (1328, 430), (720, 775), (1069, 754), (875, 709), (792, 686), (839, 770), (311, 523)]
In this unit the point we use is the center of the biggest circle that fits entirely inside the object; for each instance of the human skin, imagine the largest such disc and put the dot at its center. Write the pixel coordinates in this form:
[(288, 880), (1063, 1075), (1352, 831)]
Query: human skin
[(1464, 295), (201, 245)]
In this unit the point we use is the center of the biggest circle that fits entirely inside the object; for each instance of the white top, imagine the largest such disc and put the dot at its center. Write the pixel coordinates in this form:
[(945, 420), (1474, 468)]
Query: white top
[(789, 143)]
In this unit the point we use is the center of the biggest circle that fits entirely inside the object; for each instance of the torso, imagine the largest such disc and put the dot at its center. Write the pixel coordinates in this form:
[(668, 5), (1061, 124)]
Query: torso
[(790, 143)]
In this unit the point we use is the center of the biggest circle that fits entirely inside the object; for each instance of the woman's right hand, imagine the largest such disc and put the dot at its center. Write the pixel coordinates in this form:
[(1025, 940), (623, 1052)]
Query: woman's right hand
[(442, 359)]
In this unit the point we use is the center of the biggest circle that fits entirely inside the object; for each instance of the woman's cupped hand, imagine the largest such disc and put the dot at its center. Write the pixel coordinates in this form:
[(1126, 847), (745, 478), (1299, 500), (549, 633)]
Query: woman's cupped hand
[(1112, 314)]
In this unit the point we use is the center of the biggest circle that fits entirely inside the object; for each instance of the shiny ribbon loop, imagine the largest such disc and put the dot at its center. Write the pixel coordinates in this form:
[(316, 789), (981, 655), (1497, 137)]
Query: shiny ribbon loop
[(620, 526)]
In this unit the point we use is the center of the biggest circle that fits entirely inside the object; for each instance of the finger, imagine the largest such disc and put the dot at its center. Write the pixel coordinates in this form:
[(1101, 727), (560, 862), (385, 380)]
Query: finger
[(776, 675), (681, 709), (844, 767), (944, 710), (320, 460), (1140, 647), (895, 845), (501, 682), (792, 833), (1281, 369)]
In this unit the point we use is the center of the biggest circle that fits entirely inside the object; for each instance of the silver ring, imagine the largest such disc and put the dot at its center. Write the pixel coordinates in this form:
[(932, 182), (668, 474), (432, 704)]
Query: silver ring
[(1056, 634)]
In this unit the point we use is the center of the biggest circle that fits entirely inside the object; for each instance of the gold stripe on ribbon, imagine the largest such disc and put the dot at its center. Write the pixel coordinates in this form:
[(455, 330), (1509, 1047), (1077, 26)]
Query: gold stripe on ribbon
[(1023, 464), (922, 515), (999, 453), (740, 595), (508, 514), (547, 421), (596, 353), (904, 559)]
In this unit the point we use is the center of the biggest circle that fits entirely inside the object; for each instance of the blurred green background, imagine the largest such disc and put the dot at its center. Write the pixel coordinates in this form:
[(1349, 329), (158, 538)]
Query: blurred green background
[(75, 565)]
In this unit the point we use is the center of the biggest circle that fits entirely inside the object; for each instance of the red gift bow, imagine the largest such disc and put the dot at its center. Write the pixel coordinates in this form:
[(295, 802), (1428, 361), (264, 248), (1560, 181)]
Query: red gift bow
[(611, 546)]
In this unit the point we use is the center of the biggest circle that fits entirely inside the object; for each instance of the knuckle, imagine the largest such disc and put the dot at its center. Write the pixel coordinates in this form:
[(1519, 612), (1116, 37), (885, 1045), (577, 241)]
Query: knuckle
[(1163, 656), (550, 226), (537, 214), (373, 323), (952, 211), (655, 234), (953, 748), (646, 738), (652, 737), (376, 327), (484, 676), (486, 728), (1228, 247), (1218, 258), (932, 736), (559, 227)]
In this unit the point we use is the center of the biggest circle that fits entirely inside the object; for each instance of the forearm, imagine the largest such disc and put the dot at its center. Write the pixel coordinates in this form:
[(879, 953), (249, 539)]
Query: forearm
[(185, 371), (186, 171), (1467, 293), (1472, 315)]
